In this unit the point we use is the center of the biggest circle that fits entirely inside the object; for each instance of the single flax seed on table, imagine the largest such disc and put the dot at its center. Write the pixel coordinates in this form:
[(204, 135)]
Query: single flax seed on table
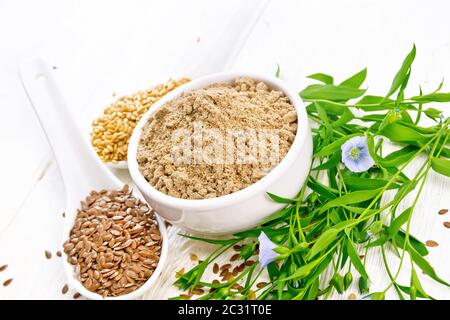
[(111, 132)]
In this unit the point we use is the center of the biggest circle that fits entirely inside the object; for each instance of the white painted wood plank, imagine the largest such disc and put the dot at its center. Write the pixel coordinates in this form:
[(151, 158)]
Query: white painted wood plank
[(131, 45)]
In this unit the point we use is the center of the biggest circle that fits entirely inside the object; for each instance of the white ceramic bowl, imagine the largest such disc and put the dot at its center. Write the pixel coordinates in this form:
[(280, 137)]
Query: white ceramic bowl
[(242, 209)]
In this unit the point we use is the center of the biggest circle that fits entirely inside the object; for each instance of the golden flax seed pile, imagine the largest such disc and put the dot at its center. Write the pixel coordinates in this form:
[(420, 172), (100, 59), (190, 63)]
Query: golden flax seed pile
[(111, 132)]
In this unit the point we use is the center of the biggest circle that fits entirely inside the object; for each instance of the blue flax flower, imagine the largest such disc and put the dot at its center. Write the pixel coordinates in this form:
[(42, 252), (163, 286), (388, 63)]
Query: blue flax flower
[(355, 154), (266, 253)]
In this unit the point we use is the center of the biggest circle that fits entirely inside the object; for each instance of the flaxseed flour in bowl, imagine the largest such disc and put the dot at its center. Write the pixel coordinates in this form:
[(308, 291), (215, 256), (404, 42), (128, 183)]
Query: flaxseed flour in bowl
[(217, 140), (207, 154)]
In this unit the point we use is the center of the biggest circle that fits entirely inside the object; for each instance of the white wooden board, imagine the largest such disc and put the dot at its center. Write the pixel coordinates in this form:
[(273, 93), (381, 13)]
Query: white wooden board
[(101, 47)]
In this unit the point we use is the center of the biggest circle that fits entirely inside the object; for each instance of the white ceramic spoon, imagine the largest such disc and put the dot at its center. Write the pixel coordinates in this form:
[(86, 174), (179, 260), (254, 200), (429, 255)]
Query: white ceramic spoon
[(80, 168), (219, 55)]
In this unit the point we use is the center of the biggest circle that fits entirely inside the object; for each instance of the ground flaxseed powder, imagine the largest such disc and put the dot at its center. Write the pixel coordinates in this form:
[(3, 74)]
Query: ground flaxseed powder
[(246, 108)]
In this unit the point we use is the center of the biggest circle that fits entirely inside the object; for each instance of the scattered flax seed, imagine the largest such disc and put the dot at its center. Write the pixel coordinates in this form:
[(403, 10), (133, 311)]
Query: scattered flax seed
[(63, 214), (111, 132), (251, 295), (179, 273), (236, 286), (447, 224), (249, 263), (362, 256), (225, 266), (352, 296), (48, 254), (431, 243), (237, 247), (194, 257), (3, 268), (443, 211), (228, 277), (197, 291), (215, 281), (58, 253), (65, 289), (185, 296), (224, 272), (261, 285), (76, 295), (7, 282), (235, 271), (216, 268), (235, 257)]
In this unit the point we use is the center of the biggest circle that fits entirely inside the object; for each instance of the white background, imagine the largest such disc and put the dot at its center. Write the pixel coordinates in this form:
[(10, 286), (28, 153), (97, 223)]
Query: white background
[(101, 47)]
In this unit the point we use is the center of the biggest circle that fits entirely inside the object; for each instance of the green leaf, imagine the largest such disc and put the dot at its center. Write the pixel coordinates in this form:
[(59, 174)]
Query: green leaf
[(323, 242), (407, 290), (313, 290), (304, 270), (345, 118), (399, 241), (398, 222), (356, 261), (399, 132), (334, 146), (322, 189), (277, 215), (330, 92), (247, 250), (433, 113), (277, 73), (322, 114), (350, 198), (358, 210), (356, 80), (416, 283), (359, 183), (372, 100), (441, 165), (398, 157), (279, 199), (273, 271), (322, 77), (423, 264), (334, 108), (402, 74), (377, 296), (433, 97), (373, 117), (331, 163), (212, 241)]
